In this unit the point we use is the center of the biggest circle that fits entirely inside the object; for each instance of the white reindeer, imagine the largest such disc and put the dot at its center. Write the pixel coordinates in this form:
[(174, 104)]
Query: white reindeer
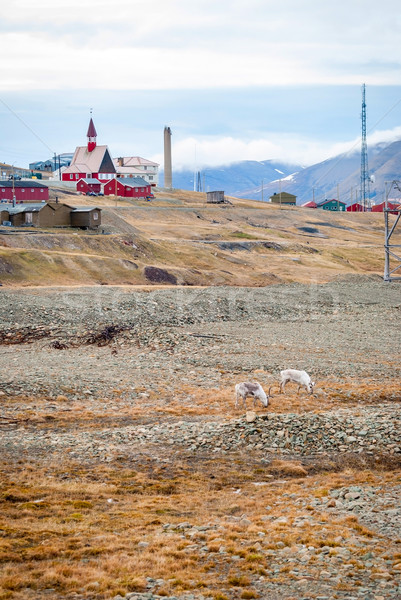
[(300, 377), (248, 388)]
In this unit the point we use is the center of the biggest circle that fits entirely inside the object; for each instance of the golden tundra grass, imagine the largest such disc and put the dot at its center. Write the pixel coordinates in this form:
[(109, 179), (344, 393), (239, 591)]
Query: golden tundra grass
[(77, 527), (195, 401), (70, 528), (171, 235)]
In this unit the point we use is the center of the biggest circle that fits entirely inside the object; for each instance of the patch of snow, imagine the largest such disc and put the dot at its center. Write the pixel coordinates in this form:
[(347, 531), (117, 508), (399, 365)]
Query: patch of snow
[(288, 178)]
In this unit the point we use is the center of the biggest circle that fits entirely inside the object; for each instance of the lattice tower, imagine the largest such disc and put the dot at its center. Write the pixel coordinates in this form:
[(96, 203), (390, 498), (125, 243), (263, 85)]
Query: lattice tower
[(365, 180)]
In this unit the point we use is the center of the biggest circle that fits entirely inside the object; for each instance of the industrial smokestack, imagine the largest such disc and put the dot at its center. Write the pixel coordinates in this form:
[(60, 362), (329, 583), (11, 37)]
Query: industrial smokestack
[(168, 176)]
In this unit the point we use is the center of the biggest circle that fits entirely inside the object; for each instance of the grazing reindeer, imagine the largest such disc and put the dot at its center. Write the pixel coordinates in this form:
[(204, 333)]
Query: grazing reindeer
[(247, 388), (300, 377)]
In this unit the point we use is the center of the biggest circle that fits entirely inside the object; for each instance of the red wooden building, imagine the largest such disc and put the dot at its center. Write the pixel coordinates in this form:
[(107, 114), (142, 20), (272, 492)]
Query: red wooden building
[(310, 204), (24, 191), (90, 161), (128, 187), (390, 205), (356, 207), (90, 184)]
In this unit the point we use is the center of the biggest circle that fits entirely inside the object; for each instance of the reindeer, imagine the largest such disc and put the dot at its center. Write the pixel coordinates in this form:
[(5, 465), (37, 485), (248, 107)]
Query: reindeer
[(248, 388), (300, 377)]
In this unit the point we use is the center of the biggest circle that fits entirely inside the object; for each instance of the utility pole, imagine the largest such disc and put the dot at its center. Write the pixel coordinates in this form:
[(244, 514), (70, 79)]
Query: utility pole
[(13, 187), (280, 193), (391, 250), (195, 173)]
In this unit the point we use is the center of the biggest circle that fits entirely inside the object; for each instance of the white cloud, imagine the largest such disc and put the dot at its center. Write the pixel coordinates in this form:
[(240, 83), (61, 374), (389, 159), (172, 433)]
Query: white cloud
[(201, 44), (214, 151), (387, 135), (218, 151)]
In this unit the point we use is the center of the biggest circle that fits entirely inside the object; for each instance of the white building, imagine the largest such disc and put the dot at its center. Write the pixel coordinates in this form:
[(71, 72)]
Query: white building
[(135, 166)]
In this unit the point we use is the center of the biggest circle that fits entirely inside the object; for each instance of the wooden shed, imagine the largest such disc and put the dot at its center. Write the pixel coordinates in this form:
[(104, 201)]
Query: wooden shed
[(284, 198), (216, 197), (51, 214), (4, 215), (25, 214), (86, 217)]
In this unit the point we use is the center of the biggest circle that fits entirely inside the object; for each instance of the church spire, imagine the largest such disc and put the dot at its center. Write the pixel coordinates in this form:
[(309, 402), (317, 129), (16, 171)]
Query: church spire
[(91, 135)]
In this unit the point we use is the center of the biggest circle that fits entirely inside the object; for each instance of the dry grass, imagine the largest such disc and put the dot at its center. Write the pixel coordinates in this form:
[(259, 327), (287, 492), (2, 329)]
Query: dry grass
[(171, 234), (101, 531), (196, 402)]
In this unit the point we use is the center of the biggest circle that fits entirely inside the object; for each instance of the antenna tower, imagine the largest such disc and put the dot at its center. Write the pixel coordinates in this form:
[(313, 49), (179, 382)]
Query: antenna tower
[(365, 191)]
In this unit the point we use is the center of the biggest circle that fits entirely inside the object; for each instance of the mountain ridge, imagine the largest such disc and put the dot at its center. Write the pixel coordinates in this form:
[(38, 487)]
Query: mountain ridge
[(337, 177)]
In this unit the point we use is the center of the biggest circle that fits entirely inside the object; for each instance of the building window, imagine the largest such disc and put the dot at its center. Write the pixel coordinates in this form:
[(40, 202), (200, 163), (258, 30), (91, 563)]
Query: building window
[(28, 217), (41, 191), (71, 176), (95, 216), (32, 190), (22, 190), (150, 177)]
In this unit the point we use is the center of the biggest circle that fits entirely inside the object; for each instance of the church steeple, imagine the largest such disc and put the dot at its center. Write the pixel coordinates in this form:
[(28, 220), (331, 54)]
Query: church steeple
[(91, 135)]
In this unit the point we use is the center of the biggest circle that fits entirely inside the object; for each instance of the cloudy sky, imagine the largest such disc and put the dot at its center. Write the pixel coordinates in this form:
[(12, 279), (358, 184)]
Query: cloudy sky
[(234, 79)]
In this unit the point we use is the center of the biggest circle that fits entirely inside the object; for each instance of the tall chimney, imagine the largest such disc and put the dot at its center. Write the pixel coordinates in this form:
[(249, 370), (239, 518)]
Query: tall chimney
[(168, 176)]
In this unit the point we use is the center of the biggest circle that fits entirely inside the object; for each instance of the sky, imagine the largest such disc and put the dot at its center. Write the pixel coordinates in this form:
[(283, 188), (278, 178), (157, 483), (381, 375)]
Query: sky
[(234, 80)]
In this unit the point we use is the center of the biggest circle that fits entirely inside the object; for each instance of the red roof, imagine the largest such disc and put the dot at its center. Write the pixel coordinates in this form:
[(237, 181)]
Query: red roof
[(356, 207), (91, 130), (380, 207), (310, 204)]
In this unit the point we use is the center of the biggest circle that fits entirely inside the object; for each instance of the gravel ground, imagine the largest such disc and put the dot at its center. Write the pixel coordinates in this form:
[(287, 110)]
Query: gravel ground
[(343, 329), (144, 346)]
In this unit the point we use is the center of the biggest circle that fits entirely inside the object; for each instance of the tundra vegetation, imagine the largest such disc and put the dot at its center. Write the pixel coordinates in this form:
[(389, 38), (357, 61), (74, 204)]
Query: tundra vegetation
[(126, 467)]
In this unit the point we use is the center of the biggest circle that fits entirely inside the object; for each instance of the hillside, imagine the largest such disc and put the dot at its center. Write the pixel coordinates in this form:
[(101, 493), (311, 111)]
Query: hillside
[(179, 239), (339, 175), (240, 179)]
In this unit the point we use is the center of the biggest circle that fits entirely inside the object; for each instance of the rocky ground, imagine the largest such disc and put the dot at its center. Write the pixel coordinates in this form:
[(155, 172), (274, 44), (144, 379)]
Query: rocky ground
[(154, 371)]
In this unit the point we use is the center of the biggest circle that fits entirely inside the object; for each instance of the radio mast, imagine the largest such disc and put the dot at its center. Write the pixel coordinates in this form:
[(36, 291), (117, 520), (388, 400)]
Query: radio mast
[(365, 180)]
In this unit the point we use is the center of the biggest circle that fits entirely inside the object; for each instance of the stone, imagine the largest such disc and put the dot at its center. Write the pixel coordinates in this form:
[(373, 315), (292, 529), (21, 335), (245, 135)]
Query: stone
[(251, 416)]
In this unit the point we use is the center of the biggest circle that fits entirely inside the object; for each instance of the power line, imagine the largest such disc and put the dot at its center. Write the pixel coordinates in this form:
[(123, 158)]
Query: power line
[(26, 125)]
